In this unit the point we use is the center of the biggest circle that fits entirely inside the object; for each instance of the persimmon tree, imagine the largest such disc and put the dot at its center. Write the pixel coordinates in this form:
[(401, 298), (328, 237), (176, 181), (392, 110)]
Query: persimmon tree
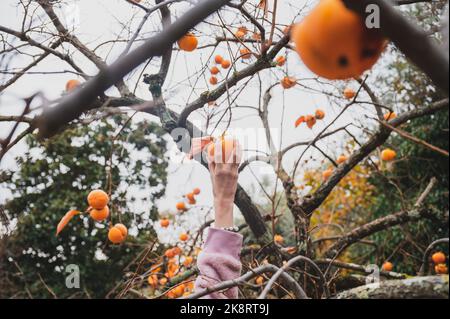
[(54, 177), (251, 55)]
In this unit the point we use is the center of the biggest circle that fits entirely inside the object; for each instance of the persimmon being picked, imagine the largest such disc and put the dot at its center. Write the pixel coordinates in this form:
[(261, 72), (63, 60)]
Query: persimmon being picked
[(188, 42), (228, 146), (196, 191), (98, 199), (117, 233), (334, 42)]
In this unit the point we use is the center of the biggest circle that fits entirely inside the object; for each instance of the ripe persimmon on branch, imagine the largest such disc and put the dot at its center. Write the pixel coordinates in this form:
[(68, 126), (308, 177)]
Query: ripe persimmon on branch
[(343, 118), (422, 50)]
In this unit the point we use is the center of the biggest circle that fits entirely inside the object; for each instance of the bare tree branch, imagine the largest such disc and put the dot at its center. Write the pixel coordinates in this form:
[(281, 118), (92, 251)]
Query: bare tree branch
[(421, 49), (433, 287), (73, 104)]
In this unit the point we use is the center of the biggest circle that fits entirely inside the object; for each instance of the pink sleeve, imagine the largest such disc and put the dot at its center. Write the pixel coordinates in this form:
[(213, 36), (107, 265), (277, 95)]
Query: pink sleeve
[(219, 261)]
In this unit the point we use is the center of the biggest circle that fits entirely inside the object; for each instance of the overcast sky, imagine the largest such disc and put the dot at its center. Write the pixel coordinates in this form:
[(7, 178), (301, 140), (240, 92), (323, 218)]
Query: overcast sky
[(103, 20)]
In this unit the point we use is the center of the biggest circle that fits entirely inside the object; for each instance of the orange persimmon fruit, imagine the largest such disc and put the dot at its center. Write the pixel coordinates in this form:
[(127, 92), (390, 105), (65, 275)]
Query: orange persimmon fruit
[(218, 59), (213, 80), (164, 223), (214, 70), (441, 269), (387, 266), (259, 280), (388, 155), (97, 199), (320, 114), (188, 261), (334, 42), (390, 116), (349, 93), (327, 173), (438, 258), (278, 239), (184, 237), (281, 60), (181, 206), (188, 42), (99, 214), (225, 64), (341, 159), (310, 121), (287, 82), (228, 147), (117, 233), (245, 53), (72, 85)]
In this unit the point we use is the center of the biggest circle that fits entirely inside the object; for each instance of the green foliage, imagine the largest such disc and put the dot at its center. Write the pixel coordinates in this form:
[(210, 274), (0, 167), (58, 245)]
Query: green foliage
[(56, 175), (399, 188)]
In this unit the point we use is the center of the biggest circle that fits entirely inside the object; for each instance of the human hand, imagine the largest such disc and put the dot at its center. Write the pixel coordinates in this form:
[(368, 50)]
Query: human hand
[(223, 166)]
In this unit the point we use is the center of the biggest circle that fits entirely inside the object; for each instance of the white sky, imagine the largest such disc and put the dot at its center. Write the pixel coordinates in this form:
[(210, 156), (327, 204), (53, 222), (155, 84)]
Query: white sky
[(101, 20)]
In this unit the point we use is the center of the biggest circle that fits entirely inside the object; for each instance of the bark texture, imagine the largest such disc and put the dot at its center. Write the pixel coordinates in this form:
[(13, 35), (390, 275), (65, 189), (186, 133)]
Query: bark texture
[(430, 287)]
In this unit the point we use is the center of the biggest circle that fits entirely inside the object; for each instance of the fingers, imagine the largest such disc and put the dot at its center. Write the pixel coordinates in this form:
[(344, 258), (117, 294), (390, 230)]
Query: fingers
[(218, 158), (212, 166), (210, 160), (225, 153), (237, 154)]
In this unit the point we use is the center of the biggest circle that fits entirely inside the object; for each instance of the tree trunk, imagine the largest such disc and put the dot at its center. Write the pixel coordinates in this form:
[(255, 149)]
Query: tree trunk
[(430, 287)]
